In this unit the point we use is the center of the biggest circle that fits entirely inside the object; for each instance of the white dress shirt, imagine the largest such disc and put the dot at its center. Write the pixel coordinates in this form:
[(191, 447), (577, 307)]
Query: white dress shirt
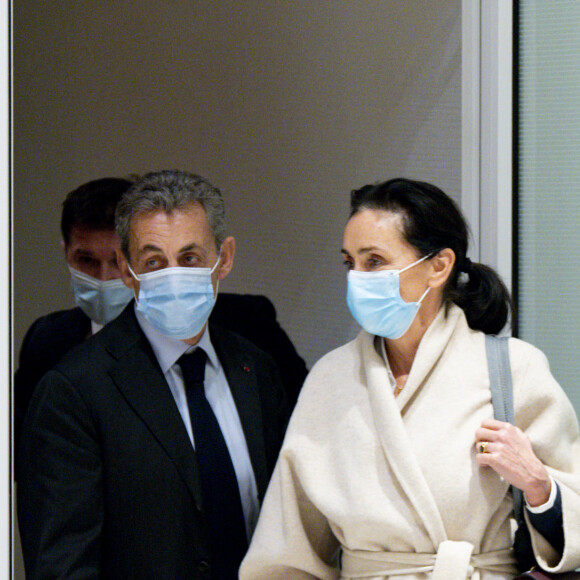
[(95, 327), (217, 391)]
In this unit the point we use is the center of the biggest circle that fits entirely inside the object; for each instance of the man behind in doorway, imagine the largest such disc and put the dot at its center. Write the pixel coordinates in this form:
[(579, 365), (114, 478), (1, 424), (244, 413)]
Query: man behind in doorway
[(90, 245), (147, 450)]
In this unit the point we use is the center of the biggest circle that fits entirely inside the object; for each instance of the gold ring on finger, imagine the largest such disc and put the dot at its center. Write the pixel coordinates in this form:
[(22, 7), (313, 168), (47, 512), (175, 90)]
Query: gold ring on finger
[(483, 447)]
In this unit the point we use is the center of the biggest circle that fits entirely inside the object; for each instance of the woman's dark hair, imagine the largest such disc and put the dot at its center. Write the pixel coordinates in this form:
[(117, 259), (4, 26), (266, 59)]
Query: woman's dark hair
[(431, 222)]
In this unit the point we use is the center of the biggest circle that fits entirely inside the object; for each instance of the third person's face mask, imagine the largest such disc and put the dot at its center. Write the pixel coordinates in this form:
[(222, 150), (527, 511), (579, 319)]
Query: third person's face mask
[(375, 302), (176, 301), (101, 300)]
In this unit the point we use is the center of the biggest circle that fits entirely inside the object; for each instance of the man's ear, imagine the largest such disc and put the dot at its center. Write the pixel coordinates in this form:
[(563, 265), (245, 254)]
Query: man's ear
[(63, 246), (126, 275), (442, 266), (226, 257)]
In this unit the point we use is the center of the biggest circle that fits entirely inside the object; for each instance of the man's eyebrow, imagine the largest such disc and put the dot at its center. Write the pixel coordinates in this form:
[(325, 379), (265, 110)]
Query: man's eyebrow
[(148, 248), (192, 246), (154, 248)]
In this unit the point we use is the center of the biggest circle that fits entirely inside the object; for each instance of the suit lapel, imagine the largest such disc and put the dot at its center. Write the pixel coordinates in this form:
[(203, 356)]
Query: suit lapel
[(240, 370), (138, 376), (80, 328)]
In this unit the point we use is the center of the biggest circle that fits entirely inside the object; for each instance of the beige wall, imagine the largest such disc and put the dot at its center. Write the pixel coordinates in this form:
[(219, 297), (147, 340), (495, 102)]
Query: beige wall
[(286, 105)]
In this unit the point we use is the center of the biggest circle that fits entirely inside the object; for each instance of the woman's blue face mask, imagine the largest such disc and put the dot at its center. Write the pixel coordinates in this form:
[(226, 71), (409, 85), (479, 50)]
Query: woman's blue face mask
[(374, 300)]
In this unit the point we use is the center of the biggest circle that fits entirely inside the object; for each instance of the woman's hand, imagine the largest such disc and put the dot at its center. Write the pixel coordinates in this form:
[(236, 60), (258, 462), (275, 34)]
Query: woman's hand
[(508, 451)]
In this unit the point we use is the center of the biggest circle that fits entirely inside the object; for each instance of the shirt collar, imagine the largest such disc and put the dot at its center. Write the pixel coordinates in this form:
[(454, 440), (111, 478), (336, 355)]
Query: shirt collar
[(168, 350), (95, 327)]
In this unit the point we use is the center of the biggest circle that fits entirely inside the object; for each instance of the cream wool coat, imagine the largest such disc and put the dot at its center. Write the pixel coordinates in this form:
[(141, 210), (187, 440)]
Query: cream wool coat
[(393, 483)]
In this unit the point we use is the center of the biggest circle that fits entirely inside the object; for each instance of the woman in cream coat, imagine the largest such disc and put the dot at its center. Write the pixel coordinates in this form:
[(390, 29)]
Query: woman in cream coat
[(393, 466)]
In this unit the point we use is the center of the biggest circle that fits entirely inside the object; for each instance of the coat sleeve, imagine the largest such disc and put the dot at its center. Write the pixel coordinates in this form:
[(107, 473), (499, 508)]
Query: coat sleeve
[(293, 538), (546, 415), (59, 494)]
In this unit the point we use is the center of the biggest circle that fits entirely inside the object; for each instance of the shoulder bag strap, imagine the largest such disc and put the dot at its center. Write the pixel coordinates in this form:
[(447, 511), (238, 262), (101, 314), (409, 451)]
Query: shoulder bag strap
[(500, 379), (500, 383)]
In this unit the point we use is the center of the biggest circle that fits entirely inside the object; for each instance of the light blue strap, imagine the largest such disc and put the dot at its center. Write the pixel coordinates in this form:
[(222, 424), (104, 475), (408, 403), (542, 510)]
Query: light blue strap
[(500, 377), (502, 399)]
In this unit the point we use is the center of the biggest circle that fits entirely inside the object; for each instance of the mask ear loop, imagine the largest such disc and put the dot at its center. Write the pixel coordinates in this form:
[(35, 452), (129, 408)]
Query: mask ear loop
[(417, 262), (132, 273), (424, 294), (136, 278), (217, 283), (426, 257), (217, 261)]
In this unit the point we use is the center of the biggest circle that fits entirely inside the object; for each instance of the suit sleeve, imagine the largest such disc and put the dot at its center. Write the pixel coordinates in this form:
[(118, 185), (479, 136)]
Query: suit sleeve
[(277, 396), (254, 318), (274, 340), (550, 523), (59, 495), (546, 415), (46, 342), (26, 377)]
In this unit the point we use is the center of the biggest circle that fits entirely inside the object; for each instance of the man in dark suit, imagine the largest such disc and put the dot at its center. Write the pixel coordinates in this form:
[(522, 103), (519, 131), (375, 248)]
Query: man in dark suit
[(90, 246), (147, 450)]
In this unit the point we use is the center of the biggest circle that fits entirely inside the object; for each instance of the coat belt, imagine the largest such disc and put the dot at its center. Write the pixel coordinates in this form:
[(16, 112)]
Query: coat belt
[(453, 561)]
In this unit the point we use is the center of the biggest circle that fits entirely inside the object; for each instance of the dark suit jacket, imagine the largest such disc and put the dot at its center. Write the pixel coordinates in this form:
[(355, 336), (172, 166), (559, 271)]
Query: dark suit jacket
[(108, 483), (52, 336)]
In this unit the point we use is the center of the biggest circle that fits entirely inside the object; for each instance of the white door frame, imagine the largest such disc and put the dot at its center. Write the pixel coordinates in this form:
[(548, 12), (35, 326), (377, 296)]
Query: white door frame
[(486, 196)]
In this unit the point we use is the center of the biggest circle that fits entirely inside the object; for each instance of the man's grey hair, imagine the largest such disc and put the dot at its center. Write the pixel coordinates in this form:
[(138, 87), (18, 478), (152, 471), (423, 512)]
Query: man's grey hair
[(170, 190)]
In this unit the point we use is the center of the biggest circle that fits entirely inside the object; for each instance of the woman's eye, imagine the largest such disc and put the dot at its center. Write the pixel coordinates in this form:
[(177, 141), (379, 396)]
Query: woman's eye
[(348, 264)]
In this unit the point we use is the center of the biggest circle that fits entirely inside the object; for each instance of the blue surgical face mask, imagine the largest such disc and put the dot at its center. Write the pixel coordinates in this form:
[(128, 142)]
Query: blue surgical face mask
[(176, 301), (375, 301), (101, 300)]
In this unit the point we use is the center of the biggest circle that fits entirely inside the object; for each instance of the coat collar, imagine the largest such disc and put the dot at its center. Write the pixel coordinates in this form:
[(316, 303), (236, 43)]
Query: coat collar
[(430, 349), (388, 414)]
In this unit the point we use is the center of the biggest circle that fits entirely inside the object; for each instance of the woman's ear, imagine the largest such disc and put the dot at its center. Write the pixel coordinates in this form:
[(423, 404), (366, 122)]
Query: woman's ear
[(442, 266)]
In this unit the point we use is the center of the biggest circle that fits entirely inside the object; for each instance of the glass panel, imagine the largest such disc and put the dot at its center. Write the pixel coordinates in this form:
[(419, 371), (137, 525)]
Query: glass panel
[(549, 185)]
